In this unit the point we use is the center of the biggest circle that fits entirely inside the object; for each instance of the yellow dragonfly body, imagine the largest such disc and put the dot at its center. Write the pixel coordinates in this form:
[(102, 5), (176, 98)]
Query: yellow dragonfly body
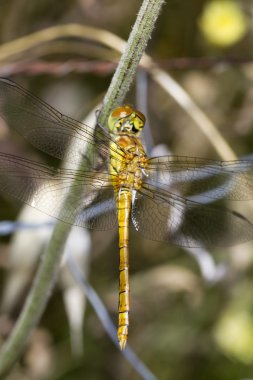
[(127, 170), (165, 198)]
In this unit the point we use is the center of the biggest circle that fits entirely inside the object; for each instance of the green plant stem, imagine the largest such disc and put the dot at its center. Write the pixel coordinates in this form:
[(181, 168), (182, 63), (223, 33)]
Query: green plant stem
[(36, 300), (49, 266), (126, 69)]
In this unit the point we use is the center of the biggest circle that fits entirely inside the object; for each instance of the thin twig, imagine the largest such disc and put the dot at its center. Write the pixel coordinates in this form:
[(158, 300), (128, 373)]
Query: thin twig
[(128, 65), (12, 49), (106, 321), (181, 96), (105, 67), (37, 67)]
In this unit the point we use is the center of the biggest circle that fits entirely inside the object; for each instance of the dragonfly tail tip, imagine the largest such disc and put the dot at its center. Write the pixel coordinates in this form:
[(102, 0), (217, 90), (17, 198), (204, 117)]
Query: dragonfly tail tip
[(122, 344), (122, 338)]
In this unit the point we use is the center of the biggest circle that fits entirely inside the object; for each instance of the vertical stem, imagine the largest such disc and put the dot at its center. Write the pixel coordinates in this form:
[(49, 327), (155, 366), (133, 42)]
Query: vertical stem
[(47, 272), (36, 301), (129, 61)]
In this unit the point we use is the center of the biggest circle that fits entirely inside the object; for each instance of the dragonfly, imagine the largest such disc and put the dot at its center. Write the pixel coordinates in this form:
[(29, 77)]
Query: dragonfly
[(117, 184)]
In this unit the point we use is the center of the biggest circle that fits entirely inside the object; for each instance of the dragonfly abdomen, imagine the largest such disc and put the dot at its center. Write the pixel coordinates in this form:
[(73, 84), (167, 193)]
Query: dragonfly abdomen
[(124, 210)]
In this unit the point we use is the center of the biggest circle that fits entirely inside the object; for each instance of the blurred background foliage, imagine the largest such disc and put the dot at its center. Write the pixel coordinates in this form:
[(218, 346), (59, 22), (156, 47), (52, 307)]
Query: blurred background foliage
[(191, 312)]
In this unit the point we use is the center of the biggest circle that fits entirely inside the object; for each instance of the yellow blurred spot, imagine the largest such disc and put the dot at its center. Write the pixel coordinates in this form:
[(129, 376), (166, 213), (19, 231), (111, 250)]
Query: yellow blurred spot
[(234, 335), (223, 22)]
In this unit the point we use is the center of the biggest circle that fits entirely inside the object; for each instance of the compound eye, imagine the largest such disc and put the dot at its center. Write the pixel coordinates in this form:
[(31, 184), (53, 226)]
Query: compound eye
[(138, 123), (141, 116), (121, 112)]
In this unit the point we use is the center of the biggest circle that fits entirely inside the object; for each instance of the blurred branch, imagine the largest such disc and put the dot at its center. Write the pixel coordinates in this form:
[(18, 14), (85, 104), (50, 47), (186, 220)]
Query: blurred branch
[(210, 271), (9, 227), (105, 67), (106, 321), (49, 266), (57, 68), (10, 50), (172, 87), (21, 45), (188, 63)]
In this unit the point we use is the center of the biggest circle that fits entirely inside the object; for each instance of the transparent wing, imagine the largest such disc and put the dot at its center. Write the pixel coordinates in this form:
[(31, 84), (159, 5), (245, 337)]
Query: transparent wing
[(90, 205), (163, 216), (47, 129), (212, 179)]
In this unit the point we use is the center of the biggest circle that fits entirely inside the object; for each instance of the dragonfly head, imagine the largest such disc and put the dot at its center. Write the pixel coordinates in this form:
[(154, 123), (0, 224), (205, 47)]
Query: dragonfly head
[(126, 119)]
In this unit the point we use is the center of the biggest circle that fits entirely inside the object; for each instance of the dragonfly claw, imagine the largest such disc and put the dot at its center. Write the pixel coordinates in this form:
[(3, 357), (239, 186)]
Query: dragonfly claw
[(144, 172)]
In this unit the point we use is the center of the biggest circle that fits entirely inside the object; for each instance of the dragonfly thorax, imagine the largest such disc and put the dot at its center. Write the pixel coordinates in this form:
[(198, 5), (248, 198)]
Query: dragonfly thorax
[(128, 162)]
